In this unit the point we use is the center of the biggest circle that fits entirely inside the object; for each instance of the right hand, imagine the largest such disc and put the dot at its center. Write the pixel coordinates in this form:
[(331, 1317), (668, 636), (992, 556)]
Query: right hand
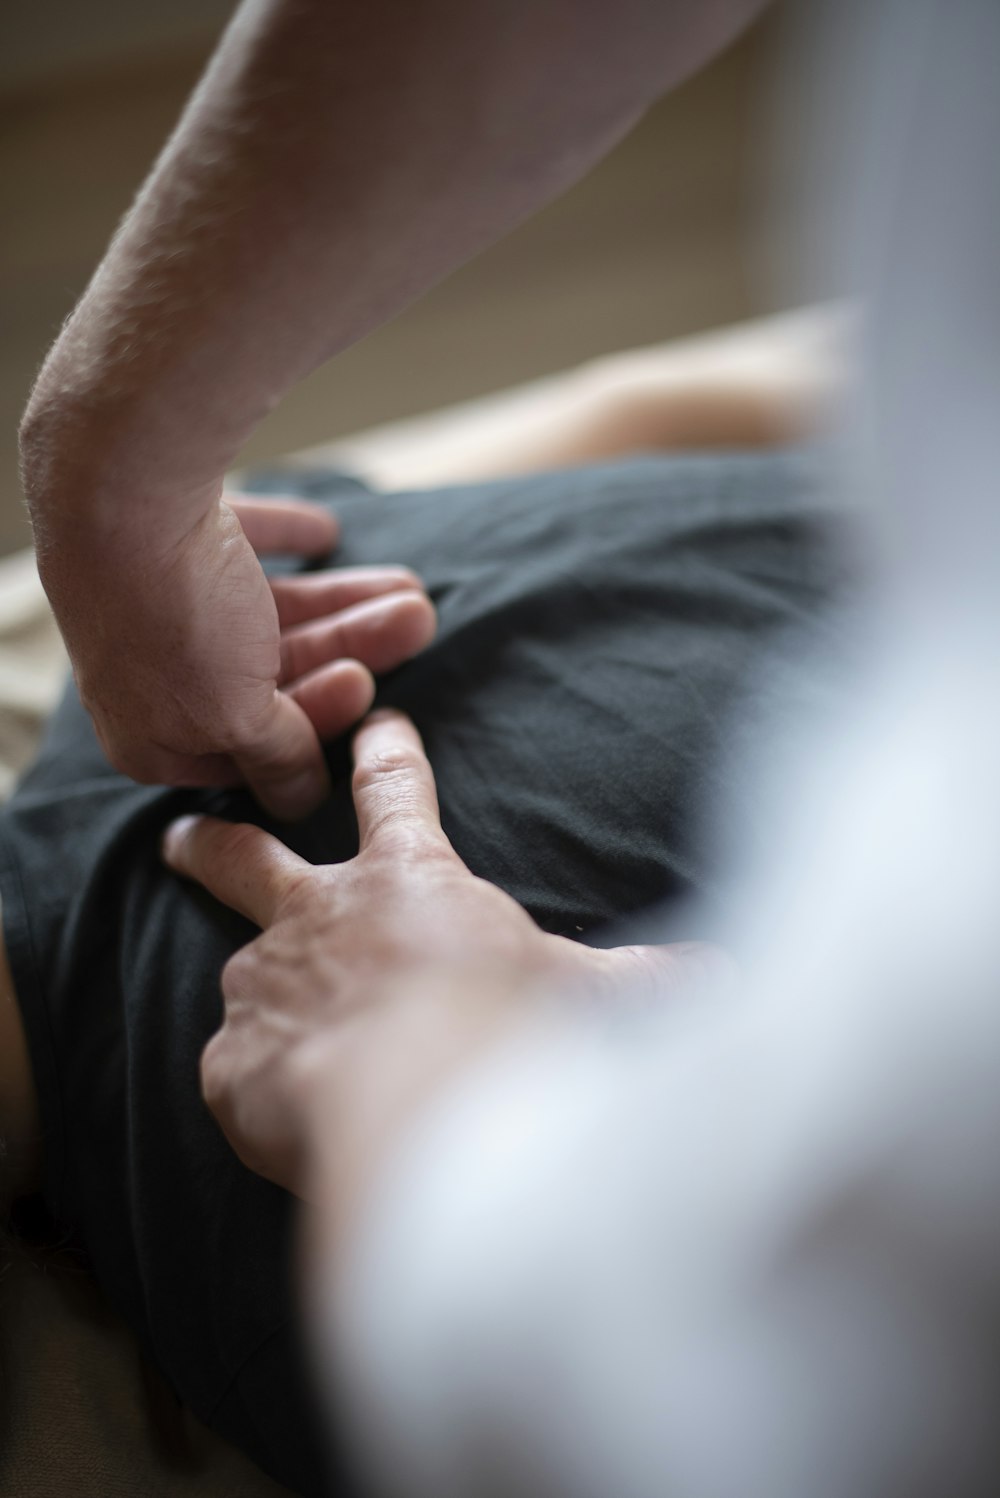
[(335, 939), (197, 670)]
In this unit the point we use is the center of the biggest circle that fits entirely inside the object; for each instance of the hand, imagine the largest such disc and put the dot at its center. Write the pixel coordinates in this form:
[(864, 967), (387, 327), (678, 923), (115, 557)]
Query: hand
[(335, 939), (198, 671)]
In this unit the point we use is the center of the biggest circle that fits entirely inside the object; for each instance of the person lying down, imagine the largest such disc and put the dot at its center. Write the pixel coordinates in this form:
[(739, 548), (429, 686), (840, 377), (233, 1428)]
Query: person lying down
[(596, 627)]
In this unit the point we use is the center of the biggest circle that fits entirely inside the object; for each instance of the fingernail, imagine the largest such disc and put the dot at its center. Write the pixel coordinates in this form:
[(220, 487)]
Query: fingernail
[(173, 837)]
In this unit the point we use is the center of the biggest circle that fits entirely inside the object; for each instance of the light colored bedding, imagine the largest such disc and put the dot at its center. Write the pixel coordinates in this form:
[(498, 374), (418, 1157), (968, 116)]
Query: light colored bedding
[(32, 665)]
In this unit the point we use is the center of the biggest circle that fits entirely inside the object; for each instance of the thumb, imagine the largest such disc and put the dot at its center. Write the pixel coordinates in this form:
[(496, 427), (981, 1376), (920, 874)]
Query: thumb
[(284, 766), (679, 968)]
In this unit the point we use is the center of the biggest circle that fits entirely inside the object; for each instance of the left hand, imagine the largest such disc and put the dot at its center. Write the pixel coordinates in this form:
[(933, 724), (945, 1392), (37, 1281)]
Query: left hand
[(337, 938)]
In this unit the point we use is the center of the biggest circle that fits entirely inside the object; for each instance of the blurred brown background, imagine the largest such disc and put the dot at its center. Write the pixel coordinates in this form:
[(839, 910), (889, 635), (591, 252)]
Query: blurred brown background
[(658, 241)]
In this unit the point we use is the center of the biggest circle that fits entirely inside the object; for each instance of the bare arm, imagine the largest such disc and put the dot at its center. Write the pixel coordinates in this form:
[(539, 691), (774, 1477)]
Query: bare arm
[(335, 161)]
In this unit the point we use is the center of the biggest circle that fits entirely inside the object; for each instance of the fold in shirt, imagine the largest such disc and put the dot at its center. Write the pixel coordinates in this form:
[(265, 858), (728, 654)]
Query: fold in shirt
[(595, 629)]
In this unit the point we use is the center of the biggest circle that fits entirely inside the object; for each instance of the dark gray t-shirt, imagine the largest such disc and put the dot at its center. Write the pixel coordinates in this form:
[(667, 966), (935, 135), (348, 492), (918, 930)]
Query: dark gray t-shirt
[(595, 628)]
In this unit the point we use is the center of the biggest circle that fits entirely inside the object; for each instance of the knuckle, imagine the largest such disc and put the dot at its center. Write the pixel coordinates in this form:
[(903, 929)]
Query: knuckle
[(401, 842), (124, 757), (392, 765), (237, 975), (239, 837), (297, 882), (232, 728), (235, 841), (214, 1073), (132, 765), (300, 888)]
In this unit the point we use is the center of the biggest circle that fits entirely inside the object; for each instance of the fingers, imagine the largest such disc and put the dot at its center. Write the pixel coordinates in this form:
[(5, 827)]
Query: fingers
[(334, 696), (315, 594), (394, 791), (285, 525), (243, 866), (284, 765), (381, 632)]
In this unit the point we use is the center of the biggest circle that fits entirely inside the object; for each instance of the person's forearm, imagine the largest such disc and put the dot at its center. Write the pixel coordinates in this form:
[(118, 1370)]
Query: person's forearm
[(335, 161)]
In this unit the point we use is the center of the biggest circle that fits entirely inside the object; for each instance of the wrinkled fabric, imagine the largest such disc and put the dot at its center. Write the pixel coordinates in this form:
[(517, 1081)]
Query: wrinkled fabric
[(596, 628)]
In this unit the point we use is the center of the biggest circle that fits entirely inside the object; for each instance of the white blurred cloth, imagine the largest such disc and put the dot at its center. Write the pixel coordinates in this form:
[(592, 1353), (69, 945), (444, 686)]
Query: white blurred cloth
[(749, 1250), (753, 1251)]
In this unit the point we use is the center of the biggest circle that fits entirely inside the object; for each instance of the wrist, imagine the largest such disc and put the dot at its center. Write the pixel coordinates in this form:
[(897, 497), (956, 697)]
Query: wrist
[(98, 475)]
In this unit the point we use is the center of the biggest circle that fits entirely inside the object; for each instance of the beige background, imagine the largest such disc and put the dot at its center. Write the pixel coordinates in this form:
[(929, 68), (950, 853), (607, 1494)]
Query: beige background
[(658, 241)]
